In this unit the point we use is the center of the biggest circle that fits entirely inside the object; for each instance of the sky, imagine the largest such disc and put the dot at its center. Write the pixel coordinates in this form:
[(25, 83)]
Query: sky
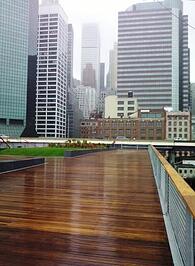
[(105, 13)]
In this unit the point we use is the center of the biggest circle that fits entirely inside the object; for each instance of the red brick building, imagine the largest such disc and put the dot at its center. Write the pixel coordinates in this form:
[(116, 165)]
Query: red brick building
[(149, 125)]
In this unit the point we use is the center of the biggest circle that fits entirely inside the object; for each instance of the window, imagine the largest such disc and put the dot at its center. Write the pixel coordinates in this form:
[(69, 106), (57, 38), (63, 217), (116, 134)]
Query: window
[(120, 108), (120, 102), (2, 121), (16, 122)]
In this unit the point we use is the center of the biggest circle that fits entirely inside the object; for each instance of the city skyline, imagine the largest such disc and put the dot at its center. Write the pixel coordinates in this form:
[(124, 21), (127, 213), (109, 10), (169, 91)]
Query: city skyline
[(105, 14)]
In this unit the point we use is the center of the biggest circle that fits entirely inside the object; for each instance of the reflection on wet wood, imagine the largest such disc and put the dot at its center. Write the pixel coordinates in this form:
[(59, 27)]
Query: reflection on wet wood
[(100, 209)]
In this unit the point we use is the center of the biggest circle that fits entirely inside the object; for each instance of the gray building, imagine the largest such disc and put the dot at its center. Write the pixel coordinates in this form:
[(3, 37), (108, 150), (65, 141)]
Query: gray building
[(70, 56), (14, 16), (32, 69), (52, 71), (153, 55), (74, 115), (102, 76), (111, 80), (90, 56)]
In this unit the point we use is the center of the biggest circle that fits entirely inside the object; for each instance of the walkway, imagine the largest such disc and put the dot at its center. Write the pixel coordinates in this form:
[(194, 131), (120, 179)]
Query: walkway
[(101, 209)]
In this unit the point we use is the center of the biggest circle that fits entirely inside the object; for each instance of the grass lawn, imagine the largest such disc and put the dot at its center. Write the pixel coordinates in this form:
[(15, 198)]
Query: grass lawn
[(37, 152)]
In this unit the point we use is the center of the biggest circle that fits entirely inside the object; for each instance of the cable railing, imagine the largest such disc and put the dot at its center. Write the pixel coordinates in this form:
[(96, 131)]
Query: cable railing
[(178, 207)]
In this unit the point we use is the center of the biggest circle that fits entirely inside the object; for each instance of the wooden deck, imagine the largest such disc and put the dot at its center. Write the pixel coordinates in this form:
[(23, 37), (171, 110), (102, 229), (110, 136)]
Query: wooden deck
[(100, 209)]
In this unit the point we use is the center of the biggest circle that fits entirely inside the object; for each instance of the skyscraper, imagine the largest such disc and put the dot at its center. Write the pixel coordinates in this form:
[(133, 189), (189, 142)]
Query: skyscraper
[(70, 56), (102, 76), (86, 97), (52, 70), (32, 69), (14, 17), (153, 55), (112, 73), (90, 55)]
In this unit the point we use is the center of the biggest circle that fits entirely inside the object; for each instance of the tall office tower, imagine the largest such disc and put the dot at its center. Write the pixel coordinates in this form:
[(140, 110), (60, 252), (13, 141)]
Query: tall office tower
[(89, 76), (102, 76), (112, 73), (90, 55), (70, 56), (153, 55), (29, 130), (14, 16), (86, 97), (74, 115), (52, 70)]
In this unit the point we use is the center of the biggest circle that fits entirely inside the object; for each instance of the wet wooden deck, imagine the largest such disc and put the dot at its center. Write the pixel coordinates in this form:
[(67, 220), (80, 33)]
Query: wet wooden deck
[(101, 209)]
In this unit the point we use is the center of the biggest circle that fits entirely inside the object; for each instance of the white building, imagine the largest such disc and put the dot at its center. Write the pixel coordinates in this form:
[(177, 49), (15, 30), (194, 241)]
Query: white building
[(52, 70), (87, 100), (178, 125), (120, 107), (90, 55)]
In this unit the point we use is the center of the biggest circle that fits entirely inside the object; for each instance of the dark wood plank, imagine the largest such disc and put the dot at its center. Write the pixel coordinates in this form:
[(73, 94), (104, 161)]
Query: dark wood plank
[(100, 209)]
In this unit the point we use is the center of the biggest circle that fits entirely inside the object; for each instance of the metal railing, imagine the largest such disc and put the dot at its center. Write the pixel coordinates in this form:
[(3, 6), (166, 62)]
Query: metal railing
[(178, 206)]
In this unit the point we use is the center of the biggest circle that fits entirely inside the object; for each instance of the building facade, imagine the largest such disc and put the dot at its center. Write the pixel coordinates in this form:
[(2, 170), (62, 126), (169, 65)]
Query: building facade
[(193, 109), (153, 55), (30, 130), (86, 97), (111, 85), (178, 126), (70, 56), (52, 71), (90, 55), (102, 77), (120, 107), (74, 115), (14, 20), (149, 125)]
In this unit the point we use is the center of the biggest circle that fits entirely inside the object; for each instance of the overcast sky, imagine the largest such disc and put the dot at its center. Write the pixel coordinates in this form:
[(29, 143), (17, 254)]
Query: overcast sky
[(105, 13)]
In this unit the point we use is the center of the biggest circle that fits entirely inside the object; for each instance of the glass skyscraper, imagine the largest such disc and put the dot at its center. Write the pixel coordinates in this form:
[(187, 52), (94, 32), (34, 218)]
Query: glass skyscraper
[(13, 65)]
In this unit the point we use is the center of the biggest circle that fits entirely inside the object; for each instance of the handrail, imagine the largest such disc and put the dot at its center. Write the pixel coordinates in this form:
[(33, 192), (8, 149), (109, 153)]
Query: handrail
[(178, 206), (185, 191)]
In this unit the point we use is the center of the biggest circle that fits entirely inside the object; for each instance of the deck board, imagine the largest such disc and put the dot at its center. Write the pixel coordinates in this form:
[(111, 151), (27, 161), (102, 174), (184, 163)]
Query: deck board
[(100, 209)]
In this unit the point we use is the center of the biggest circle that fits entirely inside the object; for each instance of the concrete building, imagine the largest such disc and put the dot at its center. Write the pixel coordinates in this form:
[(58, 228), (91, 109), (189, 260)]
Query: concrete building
[(89, 76), (74, 115), (30, 130), (111, 85), (149, 125), (70, 56), (153, 55), (90, 55), (86, 97), (14, 32), (193, 109), (102, 77), (102, 103), (178, 125), (120, 107), (52, 70)]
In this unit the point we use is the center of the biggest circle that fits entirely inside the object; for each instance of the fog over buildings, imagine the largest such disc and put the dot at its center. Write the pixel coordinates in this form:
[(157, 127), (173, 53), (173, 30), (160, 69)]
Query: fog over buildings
[(91, 11)]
